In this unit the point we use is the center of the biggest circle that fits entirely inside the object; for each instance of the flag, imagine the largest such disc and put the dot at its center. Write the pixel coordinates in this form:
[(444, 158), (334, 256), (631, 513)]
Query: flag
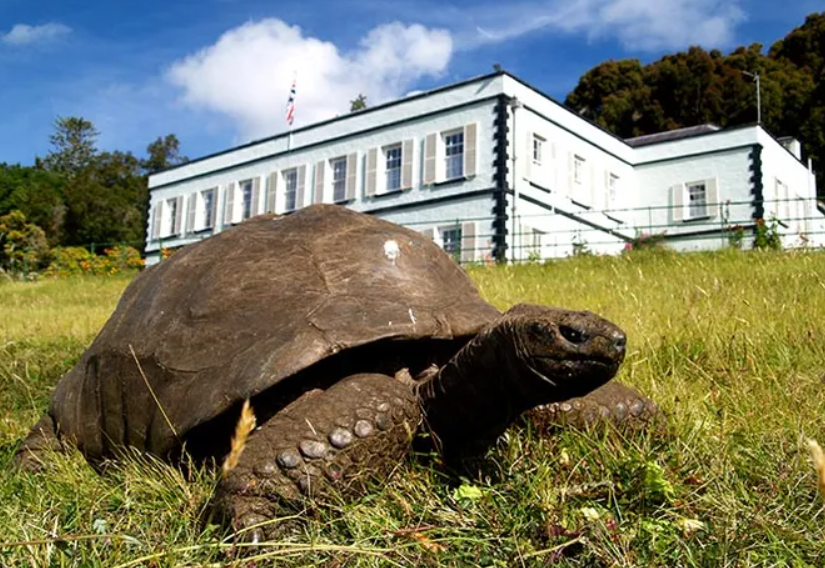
[(290, 105)]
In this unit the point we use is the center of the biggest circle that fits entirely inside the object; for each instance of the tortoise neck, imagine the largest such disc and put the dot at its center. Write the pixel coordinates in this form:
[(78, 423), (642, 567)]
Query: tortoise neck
[(472, 399)]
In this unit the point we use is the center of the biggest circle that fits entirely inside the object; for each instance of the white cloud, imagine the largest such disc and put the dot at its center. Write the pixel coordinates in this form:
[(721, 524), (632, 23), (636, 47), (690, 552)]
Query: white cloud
[(246, 74), (24, 34), (645, 25)]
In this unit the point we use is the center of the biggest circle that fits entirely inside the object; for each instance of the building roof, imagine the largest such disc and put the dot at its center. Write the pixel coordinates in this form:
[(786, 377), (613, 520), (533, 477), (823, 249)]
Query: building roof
[(671, 135)]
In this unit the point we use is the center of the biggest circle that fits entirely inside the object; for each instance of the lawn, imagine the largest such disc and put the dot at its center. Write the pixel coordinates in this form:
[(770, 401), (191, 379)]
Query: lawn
[(731, 344)]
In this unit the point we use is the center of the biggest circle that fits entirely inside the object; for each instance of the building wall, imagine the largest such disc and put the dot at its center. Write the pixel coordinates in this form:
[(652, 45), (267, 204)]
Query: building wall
[(789, 193), (403, 126)]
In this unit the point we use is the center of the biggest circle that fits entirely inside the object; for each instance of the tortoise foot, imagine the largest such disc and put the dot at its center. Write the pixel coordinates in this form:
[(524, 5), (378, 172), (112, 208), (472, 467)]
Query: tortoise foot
[(33, 453), (330, 441), (613, 403)]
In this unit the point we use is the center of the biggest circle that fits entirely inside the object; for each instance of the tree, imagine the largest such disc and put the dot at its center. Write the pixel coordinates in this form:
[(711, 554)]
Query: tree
[(23, 245), (359, 103), (163, 153), (38, 194), (73, 144)]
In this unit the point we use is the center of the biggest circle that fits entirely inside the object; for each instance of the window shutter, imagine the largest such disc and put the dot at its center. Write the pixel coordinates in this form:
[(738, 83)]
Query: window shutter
[(468, 241), (372, 171), (272, 192), (352, 164), (156, 218), (318, 195), (429, 159), (528, 156), (607, 203), (229, 204), (712, 197), (407, 164), (178, 214), (470, 149), (570, 175), (299, 190), (190, 212), (256, 196), (429, 233), (678, 201), (213, 219)]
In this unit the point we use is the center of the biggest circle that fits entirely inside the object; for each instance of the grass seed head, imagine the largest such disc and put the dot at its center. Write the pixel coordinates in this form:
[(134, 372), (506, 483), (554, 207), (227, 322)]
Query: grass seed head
[(245, 425)]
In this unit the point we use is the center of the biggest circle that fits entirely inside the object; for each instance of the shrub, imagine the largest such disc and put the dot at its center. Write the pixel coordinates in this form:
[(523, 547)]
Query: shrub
[(68, 261), (23, 245)]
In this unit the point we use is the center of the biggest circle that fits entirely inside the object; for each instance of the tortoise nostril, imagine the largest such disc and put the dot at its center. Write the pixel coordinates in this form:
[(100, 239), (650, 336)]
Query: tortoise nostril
[(619, 341), (572, 334)]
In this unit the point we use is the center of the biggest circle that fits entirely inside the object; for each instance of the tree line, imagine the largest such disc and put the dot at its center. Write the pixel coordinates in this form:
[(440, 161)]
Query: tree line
[(698, 86), (78, 195)]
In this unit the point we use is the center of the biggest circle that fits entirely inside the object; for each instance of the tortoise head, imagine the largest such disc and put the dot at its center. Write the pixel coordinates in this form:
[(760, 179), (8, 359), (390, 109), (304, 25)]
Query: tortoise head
[(563, 353)]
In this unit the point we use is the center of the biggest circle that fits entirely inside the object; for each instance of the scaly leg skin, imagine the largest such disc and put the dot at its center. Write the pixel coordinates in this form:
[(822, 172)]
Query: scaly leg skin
[(612, 403), (359, 429), (41, 440)]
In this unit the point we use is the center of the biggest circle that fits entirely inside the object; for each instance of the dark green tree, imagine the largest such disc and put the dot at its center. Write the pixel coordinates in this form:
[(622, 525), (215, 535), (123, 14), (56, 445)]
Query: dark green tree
[(358, 103), (163, 153)]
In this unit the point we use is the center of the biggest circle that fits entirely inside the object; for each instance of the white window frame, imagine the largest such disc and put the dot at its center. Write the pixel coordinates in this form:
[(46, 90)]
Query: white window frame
[(287, 176), (578, 169), (170, 211), (386, 170), (458, 157), (538, 148), (445, 229), (338, 183), (244, 187), (696, 213), (206, 220)]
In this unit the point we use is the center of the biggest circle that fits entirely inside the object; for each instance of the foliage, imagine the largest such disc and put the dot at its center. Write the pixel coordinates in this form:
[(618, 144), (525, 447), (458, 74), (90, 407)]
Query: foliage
[(696, 87), (163, 153), (359, 103), (71, 261), (23, 245), (736, 236), (38, 194), (646, 241), (767, 235), (73, 143), (726, 344)]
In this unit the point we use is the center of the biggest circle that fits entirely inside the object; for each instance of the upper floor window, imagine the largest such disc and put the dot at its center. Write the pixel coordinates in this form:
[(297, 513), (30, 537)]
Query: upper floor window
[(392, 156), (339, 179), (208, 198), (172, 207), (291, 188), (246, 199), (454, 154), (538, 148), (697, 199), (578, 169)]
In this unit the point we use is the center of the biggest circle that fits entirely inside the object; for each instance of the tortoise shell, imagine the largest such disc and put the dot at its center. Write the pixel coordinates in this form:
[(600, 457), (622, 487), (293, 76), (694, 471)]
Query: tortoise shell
[(234, 315)]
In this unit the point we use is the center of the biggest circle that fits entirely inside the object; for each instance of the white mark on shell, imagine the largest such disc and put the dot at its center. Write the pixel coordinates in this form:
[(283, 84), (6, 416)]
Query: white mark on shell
[(412, 315), (392, 250)]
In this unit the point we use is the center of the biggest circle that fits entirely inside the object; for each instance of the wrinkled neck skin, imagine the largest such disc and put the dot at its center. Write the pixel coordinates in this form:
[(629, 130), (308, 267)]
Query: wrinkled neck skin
[(475, 397)]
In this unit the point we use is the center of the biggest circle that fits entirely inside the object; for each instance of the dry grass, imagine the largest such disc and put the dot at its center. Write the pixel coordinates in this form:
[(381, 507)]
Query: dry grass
[(732, 345), (244, 427)]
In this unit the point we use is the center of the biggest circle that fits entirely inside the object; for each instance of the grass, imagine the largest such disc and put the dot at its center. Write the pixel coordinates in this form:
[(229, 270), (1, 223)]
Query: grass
[(731, 344)]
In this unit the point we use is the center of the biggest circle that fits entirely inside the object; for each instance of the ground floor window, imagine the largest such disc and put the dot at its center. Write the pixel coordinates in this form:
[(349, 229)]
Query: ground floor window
[(697, 199), (291, 187)]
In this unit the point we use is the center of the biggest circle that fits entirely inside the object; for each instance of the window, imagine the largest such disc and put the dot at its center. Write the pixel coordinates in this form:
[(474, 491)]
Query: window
[(454, 154), (246, 195), (208, 197), (291, 185), (612, 186), (339, 179), (451, 239), (578, 169), (172, 207), (697, 200), (393, 167), (538, 147)]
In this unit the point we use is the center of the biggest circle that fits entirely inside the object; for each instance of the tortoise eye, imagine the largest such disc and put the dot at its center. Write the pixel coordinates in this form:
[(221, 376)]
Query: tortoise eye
[(573, 335)]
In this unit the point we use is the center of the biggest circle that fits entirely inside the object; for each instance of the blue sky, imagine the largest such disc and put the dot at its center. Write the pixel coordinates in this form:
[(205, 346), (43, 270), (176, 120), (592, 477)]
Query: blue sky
[(217, 72)]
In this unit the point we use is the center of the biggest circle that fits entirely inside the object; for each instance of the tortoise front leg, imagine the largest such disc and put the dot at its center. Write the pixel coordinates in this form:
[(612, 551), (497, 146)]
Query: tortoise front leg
[(614, 403), (41, 440), (358, 429)]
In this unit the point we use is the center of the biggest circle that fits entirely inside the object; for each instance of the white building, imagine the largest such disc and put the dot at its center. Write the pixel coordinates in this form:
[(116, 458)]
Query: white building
[(492, 168)]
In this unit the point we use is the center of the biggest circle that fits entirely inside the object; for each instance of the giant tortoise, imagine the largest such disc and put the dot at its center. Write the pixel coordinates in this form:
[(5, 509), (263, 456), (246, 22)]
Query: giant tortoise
[(346, 333)]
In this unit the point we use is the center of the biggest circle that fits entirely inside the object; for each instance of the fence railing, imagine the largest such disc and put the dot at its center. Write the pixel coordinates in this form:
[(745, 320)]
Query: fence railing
[(554, 232)]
